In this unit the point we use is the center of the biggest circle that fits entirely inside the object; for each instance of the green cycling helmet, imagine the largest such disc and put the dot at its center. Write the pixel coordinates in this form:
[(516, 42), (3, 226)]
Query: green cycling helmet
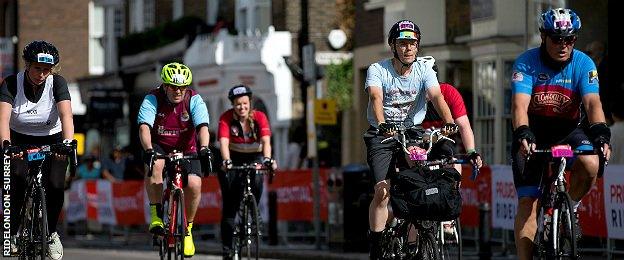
[(176, 74)]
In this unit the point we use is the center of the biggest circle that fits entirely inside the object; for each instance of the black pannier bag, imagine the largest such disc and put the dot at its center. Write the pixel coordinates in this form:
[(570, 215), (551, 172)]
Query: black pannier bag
[(422, 194)]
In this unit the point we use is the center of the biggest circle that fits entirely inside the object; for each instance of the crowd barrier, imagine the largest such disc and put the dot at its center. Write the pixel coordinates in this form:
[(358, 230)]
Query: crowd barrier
[(125, 203)]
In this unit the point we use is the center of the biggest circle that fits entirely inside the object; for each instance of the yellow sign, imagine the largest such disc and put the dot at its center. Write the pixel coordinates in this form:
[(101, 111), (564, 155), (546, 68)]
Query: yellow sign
[(325, 112), (80, 138)]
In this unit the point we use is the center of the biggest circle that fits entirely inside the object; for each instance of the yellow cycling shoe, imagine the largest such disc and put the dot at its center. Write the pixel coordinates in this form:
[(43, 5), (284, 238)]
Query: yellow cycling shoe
[(156, 226), (189, 246)]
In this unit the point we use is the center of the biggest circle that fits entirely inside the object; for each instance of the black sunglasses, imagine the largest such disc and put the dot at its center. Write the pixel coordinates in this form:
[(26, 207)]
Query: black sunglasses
[(568, 40), (176, 88)]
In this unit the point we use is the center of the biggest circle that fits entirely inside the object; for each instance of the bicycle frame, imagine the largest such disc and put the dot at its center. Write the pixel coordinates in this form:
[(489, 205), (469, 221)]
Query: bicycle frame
[(556, 199), (244, 233), (174, 217)]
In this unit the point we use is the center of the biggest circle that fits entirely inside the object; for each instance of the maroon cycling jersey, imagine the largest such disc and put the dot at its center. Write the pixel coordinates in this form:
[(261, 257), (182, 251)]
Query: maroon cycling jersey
[(454, 101), (231, 128), (173, 126)]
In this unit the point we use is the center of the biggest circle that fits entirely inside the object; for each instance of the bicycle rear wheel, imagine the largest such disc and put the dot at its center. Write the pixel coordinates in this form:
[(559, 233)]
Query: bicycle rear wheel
[(249, 231), (450, 242), (564, 229)]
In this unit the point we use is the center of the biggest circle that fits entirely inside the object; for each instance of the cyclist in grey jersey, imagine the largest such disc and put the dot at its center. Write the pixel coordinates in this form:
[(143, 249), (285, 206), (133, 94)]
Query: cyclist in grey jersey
[(397, 89)]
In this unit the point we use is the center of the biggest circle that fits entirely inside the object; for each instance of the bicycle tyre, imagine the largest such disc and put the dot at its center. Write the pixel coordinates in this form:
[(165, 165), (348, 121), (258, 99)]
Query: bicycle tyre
[(43, 222), (251, 230), (564, 237), (395, 242), (427, 246), (25, 229), (180, 227), (451, 248)]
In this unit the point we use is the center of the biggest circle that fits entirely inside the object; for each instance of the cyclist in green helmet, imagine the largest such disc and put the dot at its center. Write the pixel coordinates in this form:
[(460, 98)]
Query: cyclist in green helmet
[(174, 117)]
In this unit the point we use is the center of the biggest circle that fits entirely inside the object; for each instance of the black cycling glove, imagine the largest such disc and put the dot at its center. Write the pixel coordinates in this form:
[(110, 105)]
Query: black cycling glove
[(205, 158), (600, 134), (268, 162), (149, 157), (7, 148), (451, 128), (386, 128), (523, 132)]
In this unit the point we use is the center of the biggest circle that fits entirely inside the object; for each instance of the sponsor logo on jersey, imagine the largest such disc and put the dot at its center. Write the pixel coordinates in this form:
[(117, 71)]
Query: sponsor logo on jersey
[(170, 132), (234, 130), (185, 116), (543, 77), (517, 76), (554, 100), (593, 77)]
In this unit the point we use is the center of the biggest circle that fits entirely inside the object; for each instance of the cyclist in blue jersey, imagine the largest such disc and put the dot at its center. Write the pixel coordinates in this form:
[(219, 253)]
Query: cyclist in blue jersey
[(555, 101)]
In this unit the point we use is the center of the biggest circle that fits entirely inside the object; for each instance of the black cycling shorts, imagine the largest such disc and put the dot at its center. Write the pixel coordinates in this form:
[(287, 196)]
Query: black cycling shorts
[(195, 164), (527, 183)]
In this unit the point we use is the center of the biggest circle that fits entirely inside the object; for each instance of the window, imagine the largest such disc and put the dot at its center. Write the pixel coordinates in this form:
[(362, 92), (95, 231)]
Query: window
[(252, 16), (142, 15), (485, 92), (96, 38), (212, 11), (178, 9), (507, 128)]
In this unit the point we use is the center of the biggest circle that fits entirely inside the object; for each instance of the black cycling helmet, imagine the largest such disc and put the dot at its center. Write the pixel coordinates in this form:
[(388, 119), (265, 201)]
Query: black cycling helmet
[(238, 91), (41, 51), (404, 29)]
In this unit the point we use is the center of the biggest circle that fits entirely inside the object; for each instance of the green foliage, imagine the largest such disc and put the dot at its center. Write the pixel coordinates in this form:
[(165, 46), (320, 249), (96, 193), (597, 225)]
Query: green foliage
[(340, 83)]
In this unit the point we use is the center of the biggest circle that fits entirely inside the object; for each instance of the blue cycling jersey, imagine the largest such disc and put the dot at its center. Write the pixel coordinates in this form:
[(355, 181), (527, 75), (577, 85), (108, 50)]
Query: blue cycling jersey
[(554, 93)]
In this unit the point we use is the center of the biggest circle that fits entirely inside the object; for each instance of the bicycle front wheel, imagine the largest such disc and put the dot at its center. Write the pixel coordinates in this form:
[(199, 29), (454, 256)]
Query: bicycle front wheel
[(249, 235), (40, 213), (450, 240), (180, 226), (564, 230), (427, 246)]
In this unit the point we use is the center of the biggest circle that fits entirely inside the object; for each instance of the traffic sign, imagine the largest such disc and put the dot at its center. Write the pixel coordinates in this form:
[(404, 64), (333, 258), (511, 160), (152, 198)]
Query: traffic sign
[(325, 112)]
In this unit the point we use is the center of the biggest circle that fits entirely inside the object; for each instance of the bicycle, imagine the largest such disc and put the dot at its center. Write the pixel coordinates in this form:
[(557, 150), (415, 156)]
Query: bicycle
[(171, 242), (247, 231), (556, 234), (431, 242), (33, 237)]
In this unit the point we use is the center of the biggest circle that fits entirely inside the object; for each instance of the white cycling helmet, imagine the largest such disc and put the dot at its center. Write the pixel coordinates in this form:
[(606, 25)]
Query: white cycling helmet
[(429, 61)]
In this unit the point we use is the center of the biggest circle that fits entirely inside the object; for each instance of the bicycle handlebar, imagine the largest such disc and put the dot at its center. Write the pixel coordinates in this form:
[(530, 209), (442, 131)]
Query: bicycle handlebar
[(34, 152), (172, 157), (447, 161)]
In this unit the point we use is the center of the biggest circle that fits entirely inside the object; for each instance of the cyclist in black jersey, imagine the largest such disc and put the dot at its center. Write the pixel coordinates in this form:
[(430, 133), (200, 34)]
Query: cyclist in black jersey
[(35, 109)]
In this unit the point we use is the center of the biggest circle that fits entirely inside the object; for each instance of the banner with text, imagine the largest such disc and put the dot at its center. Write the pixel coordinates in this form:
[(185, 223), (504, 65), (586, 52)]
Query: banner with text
[(504, 199)]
